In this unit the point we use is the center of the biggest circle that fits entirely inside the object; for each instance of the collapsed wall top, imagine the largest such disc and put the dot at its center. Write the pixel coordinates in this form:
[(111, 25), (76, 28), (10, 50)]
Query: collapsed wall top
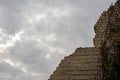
[(108, 23)]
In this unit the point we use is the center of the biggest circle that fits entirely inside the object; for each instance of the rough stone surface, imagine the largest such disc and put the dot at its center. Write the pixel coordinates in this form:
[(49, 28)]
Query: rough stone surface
[(87, 63)]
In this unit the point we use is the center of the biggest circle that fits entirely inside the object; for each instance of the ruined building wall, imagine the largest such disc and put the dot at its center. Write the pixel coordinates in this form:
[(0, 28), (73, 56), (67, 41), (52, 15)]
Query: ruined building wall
[(82, 65), (98, 62)]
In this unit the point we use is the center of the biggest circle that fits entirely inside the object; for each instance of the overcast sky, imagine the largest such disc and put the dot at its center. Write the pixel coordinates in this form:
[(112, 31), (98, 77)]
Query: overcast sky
[(36, 34)]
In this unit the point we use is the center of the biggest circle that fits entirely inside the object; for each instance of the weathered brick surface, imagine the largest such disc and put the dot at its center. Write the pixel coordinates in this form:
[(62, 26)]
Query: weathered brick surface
[(86, 63)]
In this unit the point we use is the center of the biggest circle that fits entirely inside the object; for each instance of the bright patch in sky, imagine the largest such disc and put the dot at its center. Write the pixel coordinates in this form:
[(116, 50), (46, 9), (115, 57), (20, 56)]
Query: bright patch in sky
[(51, 37), (16, 64), (10, 41), (48, 56)]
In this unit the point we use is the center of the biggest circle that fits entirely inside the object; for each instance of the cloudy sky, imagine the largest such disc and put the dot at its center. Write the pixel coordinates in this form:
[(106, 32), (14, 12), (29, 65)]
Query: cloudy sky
[(36, 34)]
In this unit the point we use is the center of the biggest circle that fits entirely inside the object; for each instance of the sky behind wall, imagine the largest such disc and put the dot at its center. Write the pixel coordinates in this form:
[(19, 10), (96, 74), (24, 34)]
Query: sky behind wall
[(36, 34)]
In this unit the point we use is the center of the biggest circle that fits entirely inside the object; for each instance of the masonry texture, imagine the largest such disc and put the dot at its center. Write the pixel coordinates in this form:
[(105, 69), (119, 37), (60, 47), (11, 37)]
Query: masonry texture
[(101, 62)]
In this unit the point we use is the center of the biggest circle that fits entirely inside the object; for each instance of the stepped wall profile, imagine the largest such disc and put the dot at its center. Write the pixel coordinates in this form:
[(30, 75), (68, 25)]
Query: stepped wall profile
[(101, 62)]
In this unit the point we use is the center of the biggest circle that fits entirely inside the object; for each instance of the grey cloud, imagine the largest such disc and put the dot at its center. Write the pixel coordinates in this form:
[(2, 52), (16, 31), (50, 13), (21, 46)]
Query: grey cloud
[(6, 68), (32, 56), (12, 17)]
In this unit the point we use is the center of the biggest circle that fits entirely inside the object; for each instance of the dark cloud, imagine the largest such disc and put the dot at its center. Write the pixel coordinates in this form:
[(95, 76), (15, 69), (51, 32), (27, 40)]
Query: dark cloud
[(37, 34)]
